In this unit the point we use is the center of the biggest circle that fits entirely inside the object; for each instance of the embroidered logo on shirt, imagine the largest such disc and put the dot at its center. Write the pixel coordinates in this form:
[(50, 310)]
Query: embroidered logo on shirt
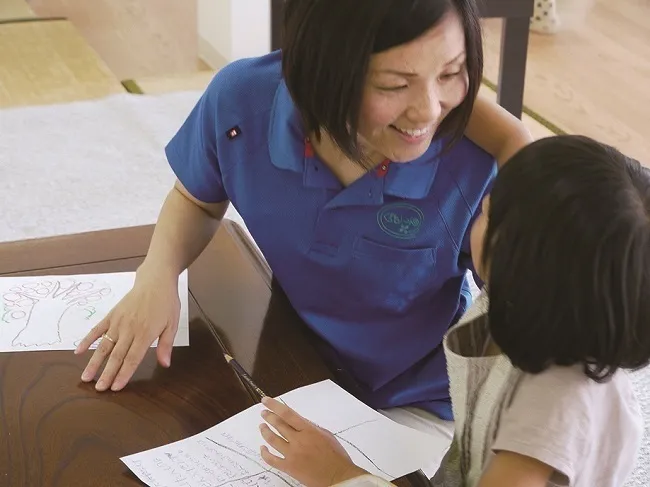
[(233, 132), (400, 220)]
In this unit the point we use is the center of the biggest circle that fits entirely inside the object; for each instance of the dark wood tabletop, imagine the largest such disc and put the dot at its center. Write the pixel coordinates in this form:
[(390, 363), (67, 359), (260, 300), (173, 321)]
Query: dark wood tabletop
[(56, 431)]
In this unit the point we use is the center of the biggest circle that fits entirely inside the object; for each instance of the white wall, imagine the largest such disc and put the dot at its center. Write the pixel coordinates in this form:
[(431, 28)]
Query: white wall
[(233, 29)]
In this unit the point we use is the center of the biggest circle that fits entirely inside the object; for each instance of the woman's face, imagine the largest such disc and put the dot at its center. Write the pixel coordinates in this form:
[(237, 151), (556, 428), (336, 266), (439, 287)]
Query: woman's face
[(410, 89), (476, 237)]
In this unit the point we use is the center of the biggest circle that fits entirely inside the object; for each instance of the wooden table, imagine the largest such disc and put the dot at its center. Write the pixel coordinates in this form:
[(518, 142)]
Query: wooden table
[(57, 431), (47, 61), (514, 45)]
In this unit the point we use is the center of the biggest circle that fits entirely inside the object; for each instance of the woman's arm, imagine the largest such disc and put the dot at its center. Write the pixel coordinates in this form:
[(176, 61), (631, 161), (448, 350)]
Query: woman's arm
[(496, 130), (514, 470), (185, 227), (151, 308)]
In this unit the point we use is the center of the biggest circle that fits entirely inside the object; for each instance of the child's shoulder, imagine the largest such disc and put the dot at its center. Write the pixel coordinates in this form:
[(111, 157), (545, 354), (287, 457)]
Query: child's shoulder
[(573, 382), (566, 420), (595, 402)]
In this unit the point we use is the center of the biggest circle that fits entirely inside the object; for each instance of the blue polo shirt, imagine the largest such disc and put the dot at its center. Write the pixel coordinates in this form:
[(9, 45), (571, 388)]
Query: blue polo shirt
[(376, 269)]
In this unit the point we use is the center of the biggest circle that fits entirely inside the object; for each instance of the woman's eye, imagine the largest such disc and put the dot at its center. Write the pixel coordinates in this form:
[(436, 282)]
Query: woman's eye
[(451, 75), (393, 88)]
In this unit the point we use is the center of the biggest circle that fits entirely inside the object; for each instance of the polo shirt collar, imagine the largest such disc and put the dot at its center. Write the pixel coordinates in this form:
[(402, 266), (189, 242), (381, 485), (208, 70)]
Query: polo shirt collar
[(286, 136), (286, 132)]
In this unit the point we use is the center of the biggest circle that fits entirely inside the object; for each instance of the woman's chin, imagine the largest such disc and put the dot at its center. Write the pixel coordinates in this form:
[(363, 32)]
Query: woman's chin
[(402, 155)]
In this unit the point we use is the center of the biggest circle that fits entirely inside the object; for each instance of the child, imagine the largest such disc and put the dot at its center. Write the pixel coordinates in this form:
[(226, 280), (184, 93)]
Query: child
[(539, 393)]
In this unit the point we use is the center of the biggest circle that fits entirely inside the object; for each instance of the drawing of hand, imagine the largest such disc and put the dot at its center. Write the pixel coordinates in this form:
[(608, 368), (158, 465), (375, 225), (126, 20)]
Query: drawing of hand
[(150, 310), (312, 455)]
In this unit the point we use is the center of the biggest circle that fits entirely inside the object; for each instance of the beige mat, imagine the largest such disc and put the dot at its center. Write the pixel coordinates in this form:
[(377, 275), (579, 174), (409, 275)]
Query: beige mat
[(44, 62), (15, 9)]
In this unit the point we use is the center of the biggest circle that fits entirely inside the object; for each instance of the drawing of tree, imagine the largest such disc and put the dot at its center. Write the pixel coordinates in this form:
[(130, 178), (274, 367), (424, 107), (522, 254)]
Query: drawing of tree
[(44, 305)]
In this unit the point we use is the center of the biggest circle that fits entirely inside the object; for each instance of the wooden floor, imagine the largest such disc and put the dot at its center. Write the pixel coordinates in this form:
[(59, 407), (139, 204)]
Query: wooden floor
[(134, 37), (593, 78), (15, 9)]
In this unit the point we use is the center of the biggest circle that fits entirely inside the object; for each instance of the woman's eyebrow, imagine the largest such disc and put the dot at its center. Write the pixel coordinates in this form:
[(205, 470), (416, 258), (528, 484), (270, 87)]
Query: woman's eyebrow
[(396, 71), (410, 73)]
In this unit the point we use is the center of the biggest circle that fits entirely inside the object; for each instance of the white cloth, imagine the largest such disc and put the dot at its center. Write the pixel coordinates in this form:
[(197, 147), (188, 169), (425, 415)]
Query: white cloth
[(88, 165), (429, 423)]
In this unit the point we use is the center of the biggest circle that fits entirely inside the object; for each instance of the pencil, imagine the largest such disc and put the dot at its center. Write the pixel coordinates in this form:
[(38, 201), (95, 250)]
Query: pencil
[(244, 375)]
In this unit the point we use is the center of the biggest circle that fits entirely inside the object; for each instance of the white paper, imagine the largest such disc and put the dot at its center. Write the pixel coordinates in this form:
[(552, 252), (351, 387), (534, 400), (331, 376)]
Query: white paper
[(229, 454), (56, 312)]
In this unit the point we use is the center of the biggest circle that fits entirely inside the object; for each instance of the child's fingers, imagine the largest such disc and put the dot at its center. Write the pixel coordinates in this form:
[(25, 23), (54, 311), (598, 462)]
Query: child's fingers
[(271, 459), (288, 415), (277, 442), (279, 424)]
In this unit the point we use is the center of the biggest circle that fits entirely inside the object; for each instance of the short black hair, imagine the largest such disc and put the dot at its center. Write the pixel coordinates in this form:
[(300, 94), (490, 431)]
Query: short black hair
[(567, 246), (326, 50)]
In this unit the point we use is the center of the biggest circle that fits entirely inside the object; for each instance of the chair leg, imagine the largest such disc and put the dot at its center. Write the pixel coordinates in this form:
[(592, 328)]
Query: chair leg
[(512, 70)]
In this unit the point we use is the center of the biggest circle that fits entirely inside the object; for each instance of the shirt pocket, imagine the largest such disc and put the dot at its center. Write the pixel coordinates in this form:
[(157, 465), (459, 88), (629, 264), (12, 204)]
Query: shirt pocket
[(392, 278)]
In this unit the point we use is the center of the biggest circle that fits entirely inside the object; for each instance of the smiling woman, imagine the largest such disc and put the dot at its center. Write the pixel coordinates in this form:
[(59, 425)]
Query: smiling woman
[(346, 156), (394, 92)]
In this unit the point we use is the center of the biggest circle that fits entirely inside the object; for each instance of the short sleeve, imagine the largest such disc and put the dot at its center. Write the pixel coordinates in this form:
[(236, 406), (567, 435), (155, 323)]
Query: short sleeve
[(571, 423), (192, 152), (465, 248)]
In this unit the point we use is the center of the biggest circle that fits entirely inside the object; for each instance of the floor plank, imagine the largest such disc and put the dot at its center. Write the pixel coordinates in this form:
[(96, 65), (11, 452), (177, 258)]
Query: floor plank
[(593, 78), (135, 38), (15, 9), (49, 62)]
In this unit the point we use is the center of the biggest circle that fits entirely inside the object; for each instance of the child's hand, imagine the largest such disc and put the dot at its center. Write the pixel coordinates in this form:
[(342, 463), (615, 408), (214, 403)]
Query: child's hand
[(312, 455)]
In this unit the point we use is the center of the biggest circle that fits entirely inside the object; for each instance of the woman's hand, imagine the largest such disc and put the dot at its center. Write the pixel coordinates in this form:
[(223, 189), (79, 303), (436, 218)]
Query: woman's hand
[(150, 310), (313, 456)]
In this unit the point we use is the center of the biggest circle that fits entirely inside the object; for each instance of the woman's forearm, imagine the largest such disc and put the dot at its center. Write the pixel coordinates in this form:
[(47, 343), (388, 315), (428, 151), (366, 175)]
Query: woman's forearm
[(184, 229)]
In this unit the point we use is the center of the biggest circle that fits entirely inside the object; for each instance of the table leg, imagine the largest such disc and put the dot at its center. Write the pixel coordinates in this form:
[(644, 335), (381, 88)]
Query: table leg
[(512, 69)]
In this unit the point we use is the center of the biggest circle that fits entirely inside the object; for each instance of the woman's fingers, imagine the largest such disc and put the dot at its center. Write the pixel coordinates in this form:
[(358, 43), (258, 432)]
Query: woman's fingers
[(115, 361), (103, 350), (165, 345), (139, 346), (97, 331), (150, 310)]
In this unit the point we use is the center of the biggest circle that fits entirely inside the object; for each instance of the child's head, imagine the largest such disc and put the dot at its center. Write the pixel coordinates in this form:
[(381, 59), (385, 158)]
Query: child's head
[(566, 255)]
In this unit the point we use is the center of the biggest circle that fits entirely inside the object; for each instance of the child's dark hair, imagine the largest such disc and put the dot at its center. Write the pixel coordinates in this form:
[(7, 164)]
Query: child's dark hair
[(568, 251)]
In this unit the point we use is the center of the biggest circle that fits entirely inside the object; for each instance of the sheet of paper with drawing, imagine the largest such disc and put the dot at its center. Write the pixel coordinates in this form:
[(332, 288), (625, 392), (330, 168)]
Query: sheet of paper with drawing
[(56, 312), (229, 454)]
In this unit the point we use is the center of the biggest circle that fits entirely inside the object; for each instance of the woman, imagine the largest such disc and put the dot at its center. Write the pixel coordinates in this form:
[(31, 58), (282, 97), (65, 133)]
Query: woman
[(346, 156)]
